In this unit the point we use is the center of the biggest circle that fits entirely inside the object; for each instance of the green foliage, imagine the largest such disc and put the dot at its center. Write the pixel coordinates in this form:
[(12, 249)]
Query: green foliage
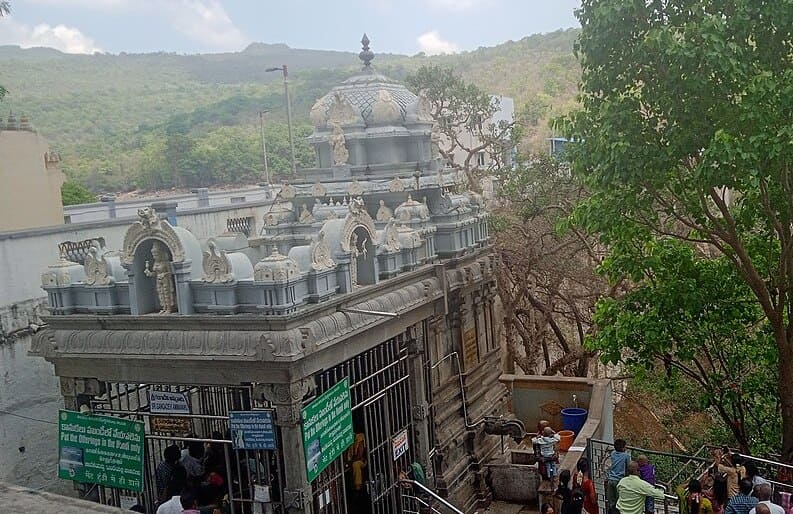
[(681, 100), (73, 193), (698, 319)]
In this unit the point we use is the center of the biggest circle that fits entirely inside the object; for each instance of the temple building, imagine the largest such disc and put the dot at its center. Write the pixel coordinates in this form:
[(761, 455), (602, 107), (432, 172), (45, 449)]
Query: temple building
[(31, 176), (371, 276)]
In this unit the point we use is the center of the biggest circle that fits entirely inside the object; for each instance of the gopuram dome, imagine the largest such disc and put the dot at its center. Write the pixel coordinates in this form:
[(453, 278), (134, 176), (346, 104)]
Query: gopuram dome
[(371, 120), (368, 98)]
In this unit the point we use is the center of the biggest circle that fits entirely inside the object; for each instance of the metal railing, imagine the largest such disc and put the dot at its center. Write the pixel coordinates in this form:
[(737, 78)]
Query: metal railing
[(418, 498)]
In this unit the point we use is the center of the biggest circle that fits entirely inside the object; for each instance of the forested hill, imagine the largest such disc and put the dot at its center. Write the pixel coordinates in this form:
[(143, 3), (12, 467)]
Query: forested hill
[(166, 120)]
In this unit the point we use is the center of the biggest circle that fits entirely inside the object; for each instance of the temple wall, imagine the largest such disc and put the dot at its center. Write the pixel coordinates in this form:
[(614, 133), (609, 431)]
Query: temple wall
[(30, 195)]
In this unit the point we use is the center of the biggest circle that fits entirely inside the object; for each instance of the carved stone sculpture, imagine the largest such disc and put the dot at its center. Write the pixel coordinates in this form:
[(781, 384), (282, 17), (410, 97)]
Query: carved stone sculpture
[(385, 109), (320, 253), (217, 268), (338, 146), (318, 189), (319, 112), (341, 111), (305, 215), (97, 269), (161, 271), (384, 213), (435, 139), (355, 188), (424, 107), (396, 185)]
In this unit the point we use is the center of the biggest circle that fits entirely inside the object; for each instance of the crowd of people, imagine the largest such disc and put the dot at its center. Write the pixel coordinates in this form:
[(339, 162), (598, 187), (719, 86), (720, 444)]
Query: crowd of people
[(194, 479), (729, 486)]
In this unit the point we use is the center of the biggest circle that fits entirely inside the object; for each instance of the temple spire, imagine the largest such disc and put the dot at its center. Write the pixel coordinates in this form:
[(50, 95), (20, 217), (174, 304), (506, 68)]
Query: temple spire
[(366, 55)]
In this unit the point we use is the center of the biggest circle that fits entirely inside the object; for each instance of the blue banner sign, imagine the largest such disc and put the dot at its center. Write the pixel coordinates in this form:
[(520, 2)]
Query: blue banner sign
[(252, 430)]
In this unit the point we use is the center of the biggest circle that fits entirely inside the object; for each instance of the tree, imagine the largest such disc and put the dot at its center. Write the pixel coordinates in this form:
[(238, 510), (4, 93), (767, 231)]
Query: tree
[(73, 193), (697, 318), (547, 281), (464, 115), (684, 134)]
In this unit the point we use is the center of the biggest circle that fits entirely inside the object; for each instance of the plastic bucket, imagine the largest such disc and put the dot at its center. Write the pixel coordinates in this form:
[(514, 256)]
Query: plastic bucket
[(566, 439), (574, 418)]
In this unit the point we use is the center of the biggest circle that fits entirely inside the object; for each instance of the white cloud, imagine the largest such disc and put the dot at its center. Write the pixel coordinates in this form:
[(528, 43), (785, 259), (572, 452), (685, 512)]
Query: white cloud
[(457, 5), (431, 43), (206, 21), (203, 21), (63, 38)]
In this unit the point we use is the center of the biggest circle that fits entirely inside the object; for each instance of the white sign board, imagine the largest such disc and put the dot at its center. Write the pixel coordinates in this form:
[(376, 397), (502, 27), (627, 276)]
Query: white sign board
[(400, 444), (166, 402)]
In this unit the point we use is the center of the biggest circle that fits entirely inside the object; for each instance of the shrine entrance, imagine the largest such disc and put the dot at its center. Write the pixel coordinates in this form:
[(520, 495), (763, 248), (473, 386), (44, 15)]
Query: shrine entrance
[(381, 409)]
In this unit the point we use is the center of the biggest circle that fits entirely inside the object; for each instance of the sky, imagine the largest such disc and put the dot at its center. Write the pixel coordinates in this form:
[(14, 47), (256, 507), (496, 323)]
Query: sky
[(209, 26)]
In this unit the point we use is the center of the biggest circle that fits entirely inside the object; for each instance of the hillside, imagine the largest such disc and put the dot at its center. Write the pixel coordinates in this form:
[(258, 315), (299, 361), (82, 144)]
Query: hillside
[(161, 120)]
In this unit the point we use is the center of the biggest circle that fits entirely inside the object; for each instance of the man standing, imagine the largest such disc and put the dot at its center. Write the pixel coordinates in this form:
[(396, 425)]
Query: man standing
[(742, 502), (763, 493), (619, 458), (632, 491)]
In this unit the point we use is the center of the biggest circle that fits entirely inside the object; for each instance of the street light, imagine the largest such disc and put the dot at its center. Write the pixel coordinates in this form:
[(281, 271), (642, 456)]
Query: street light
[(264, 145), (283, 69)]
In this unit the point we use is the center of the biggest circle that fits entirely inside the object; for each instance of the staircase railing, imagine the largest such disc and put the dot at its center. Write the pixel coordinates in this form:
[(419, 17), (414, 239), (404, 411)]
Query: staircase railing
[(419, 499)]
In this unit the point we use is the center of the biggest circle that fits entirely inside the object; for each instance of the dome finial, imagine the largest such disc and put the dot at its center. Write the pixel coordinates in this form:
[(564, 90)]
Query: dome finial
[(366, 55)]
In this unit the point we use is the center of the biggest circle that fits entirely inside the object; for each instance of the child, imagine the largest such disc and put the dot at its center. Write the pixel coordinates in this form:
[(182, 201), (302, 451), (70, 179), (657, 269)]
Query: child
[(619, 459), (647, 473), (547, 451)]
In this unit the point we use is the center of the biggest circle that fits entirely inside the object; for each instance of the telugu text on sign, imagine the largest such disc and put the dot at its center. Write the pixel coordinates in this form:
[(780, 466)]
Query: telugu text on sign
[(100, 450), (327, 428)]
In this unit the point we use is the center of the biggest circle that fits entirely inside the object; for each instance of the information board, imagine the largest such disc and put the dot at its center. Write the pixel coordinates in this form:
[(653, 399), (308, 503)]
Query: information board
[(252, 430), (399, 444), (327, 428), (100, 450), (166, 402)]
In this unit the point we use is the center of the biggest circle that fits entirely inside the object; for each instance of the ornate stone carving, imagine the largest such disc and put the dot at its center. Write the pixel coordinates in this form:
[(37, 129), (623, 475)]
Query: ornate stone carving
[(390, 237), (358, 217), (424, 107), (305, 215), (384, 213), (342, 112), (318, 189), (396, 185), (319, 112), (356, 188), (288, 191), (338, 146), (150, 226), (60, 274), (98, 271), (276, 268), (217, 268), (385, 109), (161, 271), (320, 253)]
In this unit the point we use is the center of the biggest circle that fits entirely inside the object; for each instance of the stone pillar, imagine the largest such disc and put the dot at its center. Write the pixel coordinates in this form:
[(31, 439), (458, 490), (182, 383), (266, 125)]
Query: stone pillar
[(110, 200), (203, 196), (417, 355), (288, 401), (182, 272), (169, 208)]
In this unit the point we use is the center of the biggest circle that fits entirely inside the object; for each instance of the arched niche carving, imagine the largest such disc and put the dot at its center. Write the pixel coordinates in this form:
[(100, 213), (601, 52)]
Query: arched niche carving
[(150, 226)]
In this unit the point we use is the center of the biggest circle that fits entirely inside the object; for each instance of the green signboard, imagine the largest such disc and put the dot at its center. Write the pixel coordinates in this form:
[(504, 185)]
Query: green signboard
[(327, 428), (100, 450)]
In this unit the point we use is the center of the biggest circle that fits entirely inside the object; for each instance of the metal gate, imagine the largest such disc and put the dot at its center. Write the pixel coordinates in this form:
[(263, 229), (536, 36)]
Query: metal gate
[(381, 405), (208, 426)]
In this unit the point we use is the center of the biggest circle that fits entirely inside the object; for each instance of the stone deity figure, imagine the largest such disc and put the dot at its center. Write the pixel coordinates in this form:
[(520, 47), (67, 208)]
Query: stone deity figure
[(384, 213), (161, 271), (338, 146)]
